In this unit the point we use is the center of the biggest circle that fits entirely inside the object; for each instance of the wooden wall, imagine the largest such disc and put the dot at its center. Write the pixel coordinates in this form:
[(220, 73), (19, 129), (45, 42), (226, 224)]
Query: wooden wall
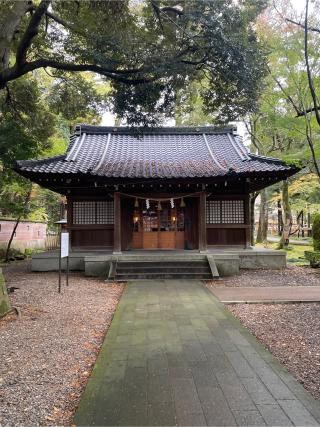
[(213, 235), (231, 234), (90, 235)]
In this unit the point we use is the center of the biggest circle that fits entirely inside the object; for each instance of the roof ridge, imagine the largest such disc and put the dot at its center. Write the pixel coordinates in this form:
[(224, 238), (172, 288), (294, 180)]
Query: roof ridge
[(72, 154), (269, 159), (236, 147), (213, 157), (102, 158), (165, 130)]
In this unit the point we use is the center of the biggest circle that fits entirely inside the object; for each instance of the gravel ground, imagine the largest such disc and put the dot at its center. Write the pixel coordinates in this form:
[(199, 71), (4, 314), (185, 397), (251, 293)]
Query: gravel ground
[(292, 333), (290, 276), (47, 355)]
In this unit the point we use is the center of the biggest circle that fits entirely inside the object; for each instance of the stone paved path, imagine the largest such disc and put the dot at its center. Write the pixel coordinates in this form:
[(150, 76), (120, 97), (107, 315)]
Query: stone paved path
[(267, 294), (175, 356)]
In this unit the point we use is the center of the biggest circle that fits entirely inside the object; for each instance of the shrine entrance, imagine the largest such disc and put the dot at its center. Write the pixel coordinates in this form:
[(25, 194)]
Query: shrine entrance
[(161, 226)]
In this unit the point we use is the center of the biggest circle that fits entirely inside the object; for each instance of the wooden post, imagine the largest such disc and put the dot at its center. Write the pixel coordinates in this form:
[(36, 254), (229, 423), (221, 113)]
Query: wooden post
[(247, 220), (202, 222), (117, 224)]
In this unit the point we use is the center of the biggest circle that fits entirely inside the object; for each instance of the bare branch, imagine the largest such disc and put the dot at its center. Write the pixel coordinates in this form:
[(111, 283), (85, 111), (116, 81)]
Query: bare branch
[(315, 29), (290, 99), (307, 111), (252, 131)]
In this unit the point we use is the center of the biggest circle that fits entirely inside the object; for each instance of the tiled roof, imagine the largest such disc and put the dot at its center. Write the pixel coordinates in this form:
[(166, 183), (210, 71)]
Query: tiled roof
[(154, 153)]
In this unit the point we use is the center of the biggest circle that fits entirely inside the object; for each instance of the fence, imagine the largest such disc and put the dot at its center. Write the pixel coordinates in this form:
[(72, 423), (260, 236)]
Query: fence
[(52, 242)]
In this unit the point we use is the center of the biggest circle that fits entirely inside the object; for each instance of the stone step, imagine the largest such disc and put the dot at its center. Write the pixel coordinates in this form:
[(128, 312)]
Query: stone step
[(159, 275), (155, 269), (163, 269), (160, 264)]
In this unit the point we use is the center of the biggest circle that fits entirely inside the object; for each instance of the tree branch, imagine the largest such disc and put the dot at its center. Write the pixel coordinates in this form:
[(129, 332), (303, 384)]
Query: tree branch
[(306, 55), (290, 99), (116, 75), (10, 25), (315, 29), (172, 10), (307, 111), (58, 19), (157, 12), (31, 31)]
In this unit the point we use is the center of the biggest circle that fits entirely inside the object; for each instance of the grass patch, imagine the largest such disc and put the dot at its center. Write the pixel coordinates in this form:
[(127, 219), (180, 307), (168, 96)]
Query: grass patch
[(295, 253)]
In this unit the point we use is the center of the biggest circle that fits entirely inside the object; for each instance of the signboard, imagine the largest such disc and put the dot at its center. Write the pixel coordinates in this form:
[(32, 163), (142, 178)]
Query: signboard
[(64, 250)]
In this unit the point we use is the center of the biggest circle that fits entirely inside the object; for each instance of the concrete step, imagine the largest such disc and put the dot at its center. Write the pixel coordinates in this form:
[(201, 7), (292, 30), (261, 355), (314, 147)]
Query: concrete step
[(155, 269), (198, 269), (159, 275), (163, 264)]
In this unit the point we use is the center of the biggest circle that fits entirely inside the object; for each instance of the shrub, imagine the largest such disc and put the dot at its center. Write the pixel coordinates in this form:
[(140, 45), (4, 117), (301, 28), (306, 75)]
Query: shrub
[(316, 232), (313, 258)]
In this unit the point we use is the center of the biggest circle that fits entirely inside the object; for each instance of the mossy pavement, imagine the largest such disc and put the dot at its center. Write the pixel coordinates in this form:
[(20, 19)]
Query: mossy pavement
[(175, 356), (5, 305)]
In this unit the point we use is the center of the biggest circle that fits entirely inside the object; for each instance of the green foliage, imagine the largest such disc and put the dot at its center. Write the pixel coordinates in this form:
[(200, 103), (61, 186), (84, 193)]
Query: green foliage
[(304, 193), (316, 232), (33, 125), (147, 52), (313, 258), (74, 96), (278, 132)]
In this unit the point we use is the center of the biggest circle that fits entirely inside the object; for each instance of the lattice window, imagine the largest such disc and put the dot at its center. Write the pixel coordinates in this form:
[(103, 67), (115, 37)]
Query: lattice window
[(213, 211), (105, 212), (232, 211), (225, 212), (86, 213)]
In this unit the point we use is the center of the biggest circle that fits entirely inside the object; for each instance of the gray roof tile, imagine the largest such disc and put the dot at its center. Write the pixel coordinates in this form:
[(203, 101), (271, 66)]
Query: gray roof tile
[(155, 153)]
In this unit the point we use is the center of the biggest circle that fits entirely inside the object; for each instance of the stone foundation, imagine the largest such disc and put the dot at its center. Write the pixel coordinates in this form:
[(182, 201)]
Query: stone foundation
[(228, 262)]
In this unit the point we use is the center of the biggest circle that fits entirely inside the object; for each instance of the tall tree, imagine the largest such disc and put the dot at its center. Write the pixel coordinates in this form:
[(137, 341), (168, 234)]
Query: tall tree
[(146, 50), (295, 68), (34, 122)]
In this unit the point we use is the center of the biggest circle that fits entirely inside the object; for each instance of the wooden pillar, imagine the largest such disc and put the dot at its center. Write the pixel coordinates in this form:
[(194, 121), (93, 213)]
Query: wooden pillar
[(247, 220), (202, 222), (69, 217), (117, 224)]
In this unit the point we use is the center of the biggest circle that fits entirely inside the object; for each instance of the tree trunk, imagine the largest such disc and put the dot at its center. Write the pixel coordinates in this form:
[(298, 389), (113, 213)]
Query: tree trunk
[(280, 220), (11, 238), (263, 218), (287, 216), (25, 204), (9, 26)]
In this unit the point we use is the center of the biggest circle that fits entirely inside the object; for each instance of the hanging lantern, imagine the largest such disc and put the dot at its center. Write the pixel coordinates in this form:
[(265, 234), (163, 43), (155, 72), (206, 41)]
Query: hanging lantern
[(182, 204), (136, 218), (159, 206), (148, 204), (136, 203), (172, 203)]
